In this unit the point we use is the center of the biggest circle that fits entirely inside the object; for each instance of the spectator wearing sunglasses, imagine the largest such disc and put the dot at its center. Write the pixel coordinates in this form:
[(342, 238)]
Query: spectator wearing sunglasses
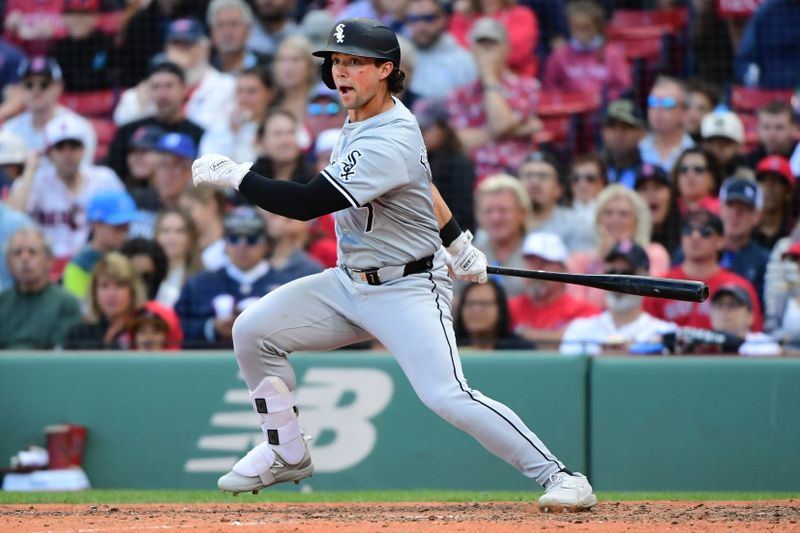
[(697, 176), (624, 323), (42, 85), (210, 301), (702, 240), (443, 65), (324, 112), (741, 205), (666, 116), (586, 180)]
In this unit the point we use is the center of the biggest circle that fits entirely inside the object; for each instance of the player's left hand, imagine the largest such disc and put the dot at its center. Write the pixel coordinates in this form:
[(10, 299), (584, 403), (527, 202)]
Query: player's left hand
[(469, 263), (216, 169)]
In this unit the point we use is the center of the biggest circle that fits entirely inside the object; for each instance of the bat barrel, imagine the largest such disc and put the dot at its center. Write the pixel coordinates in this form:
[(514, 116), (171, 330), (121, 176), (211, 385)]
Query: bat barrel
[(674, 289)]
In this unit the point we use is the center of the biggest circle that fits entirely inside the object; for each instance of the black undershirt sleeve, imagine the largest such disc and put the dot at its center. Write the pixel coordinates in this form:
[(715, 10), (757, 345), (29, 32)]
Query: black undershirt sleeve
[(293, 200)]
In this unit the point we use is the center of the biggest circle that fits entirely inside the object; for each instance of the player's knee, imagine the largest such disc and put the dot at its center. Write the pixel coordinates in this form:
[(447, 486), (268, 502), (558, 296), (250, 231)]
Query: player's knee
[(444, 406)]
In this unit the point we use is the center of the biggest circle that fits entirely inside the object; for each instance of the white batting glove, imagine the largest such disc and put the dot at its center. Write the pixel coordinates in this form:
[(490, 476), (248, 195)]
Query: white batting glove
[(216, 169), (469, 263)]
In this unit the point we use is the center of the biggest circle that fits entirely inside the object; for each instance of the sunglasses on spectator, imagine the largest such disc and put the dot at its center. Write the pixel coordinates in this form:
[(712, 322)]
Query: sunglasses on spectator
[(428, 17), (589, 178), (697, 169), (33, 84), (661, 103), (237, 238), (315, 109), (704, 231)]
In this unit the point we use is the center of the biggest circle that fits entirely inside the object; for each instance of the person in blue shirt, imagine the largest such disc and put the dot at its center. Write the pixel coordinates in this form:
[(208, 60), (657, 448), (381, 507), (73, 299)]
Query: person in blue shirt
[(768, 54)]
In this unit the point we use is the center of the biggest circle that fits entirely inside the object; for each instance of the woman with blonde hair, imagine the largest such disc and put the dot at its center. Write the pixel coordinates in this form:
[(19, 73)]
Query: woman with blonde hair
[(176, 233), (295, 74), (621, 215), (519, 21), (115, 292)]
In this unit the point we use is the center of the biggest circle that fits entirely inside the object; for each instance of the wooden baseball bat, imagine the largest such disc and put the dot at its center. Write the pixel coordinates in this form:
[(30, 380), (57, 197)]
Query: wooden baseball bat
[(674, 289)]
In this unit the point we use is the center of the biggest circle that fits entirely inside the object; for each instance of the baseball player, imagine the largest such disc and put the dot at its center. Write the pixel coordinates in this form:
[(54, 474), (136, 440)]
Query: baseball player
[(390, 280)]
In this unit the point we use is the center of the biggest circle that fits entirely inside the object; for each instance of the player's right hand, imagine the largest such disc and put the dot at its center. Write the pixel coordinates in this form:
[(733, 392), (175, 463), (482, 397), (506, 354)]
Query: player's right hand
[(468, 263), (216, 169)]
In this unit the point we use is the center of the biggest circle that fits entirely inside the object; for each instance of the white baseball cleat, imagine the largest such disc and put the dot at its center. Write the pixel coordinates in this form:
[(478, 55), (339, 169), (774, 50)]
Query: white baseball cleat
[(567, 492), (262, 467)]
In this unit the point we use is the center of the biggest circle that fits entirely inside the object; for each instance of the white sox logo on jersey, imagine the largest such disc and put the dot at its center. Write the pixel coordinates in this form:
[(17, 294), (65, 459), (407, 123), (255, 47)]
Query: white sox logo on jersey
[(339, 33), (349, 167)]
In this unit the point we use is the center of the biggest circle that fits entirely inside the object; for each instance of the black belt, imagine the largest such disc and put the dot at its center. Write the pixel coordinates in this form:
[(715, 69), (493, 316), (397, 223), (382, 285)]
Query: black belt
[(378, 276)]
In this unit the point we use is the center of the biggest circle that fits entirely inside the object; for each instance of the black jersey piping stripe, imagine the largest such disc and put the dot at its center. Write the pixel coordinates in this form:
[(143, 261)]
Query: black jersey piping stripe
[(461, 385), (370, 217), (349, 197)]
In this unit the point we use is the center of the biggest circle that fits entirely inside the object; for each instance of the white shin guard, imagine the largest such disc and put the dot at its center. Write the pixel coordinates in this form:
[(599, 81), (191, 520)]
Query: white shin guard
[(274, 403)]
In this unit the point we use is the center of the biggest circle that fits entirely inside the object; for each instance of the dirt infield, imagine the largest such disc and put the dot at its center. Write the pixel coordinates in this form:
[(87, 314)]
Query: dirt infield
[(494, 517)]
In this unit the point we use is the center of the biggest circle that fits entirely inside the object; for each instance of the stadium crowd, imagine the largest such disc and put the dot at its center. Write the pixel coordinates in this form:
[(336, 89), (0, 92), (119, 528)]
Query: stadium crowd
[(654, 137)]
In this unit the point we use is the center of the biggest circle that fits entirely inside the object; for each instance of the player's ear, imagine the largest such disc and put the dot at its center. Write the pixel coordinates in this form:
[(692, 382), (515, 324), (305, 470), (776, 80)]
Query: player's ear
[(385, 70)]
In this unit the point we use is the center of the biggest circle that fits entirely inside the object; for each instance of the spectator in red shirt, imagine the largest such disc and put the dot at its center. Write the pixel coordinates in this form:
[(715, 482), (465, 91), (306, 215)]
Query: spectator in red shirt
[(588, 63), (494, 116), (519, 22), (702, 241), (543, 311)]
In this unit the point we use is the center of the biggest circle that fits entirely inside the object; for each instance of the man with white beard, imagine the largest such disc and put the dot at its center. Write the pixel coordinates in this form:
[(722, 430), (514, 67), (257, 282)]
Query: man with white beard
[(624, 322)]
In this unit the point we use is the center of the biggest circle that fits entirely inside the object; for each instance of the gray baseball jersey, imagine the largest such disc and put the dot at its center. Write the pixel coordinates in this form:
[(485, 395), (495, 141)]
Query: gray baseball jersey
[(381, 166)]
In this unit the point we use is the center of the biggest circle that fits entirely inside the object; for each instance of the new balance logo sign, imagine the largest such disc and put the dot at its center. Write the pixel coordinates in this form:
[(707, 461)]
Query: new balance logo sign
[(337, 402), (349, 166), (339, 33)]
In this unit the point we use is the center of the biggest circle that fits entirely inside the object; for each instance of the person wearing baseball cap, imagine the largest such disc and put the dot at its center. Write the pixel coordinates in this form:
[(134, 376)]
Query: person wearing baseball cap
[(723, 136), (732, 313), (624, 323), (655, 187), (541, 313), (775, 176), (702, 240), (42, 84), (741, 205), (623, 128), (86, 54), (110, 214), (13, 155), (142, 156), (210, 300)]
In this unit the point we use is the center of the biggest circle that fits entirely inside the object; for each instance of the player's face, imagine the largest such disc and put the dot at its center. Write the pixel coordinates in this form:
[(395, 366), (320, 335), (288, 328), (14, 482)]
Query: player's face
[(357, 78), (617, 219)]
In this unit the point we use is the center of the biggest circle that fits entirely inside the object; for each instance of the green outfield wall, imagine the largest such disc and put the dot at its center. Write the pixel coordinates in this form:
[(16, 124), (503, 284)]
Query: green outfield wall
[(181, 420)]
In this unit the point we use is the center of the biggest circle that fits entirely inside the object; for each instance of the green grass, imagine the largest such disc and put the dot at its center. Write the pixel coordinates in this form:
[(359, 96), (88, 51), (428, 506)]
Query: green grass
[(196, 496)]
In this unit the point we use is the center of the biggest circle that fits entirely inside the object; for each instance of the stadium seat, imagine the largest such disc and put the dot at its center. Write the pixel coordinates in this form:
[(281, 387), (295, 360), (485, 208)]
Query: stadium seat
[(105, 129), (92, 103), (555, 103), (751, 99), (568, 119), (750, 123), (111, 21)]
